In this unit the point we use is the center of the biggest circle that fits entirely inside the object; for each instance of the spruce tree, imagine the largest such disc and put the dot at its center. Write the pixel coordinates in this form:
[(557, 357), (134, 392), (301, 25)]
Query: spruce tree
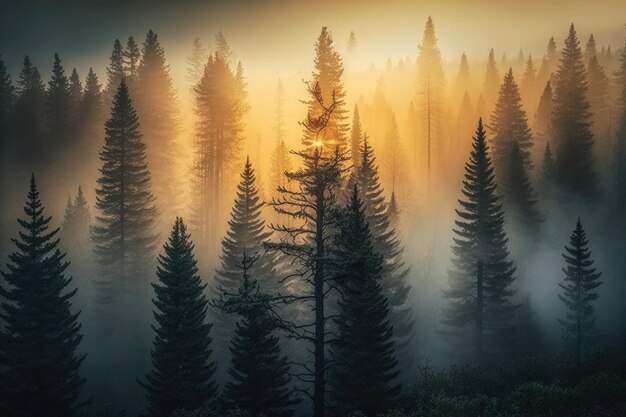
[(571, 123), (131, 56), (328, 74), (75, 230), (156, 105), (29, 112), (519, 196), (58, 107), (480, 313), (543, 115), (528, 85), (115, 72), (548, 169), (386, 242), (463, 79), (195, 63), (549, 63), (246, 235), (362, 379), (41, 334), (75, 90), (182, 374), (123, 234), (356, 136), (259, 382), (491, 82), (578, 285), (510, 126), (600, 107)]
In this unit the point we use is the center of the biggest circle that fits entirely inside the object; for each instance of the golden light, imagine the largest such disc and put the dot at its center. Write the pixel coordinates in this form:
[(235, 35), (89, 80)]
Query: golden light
[(317, 144)]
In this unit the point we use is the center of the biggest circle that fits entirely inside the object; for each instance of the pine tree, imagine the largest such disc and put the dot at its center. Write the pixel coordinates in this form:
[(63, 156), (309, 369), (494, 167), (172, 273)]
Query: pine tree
[(91, 116), (463, 80), (123, 235), (195, 63), (571, 124), (528, 85), (386, 242), (480, 313), (314, 198), (7, 100), (259, 372), (58, 106), (590, 48), (328, 74), (356, 136), (246, 235), (543, 115), (38, 358), (549, 63), (363, 378), (29, 112), (131, 56), (115, 72), (519, 196), (548, 168), (510, 126), (182, 374), (75, 231), (352, 42), (429, 99), (76, 96), (157, 109), (600, 107), (491, 82), (578, 285)]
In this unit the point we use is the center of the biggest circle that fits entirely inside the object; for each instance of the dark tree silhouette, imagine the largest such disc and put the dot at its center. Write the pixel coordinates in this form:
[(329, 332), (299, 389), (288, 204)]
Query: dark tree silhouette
[(182, 375), (131, 57), (578, 285), (58, 107), (356, 136), (7, 100), (571, 123), (259, 372), (362, 378), (480, 311), (40, 366), (115, 72), (28, 116), (123, 235), (519, 196), (491, 82)]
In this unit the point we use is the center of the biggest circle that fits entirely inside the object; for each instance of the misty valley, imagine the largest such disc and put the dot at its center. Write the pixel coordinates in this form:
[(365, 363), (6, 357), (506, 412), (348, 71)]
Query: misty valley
[(187, 233)]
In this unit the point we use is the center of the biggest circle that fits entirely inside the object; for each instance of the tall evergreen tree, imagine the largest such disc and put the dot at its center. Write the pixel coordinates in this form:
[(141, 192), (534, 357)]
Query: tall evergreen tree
[(246, 235), (578, 285), (38, 358), (123, 234), (571, 123), (314, 200), (115, 72), (182, 374), (58, 106), (7, 100), (259, 372), (510, 126), (29, 112), (157, 109), (548, 168), (549, 63), (365, 370), (528, 85), (543, 115), (600, 107), (131, 57), (75, 230), (195, 63), (356, 136), (463, 80), (75, 90), (491, 82), (328, 74), (430, 101), (480, 313), (519, 196), (386, 242)]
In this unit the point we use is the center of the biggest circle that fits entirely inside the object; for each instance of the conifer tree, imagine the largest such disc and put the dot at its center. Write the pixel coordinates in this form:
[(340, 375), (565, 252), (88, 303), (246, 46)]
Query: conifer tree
[(619, 164), (246, 235), (365, 370), (393, 212), (386, 242), (429, 100), (259, 372), (395, 165), (76, 96), (578, 285), (131, 60), (115, 72), (510, 126), (7, 100), (123, 234), (543, 115), (491, 82), (600, 107), (38, 358), (463, 80), (548, 168), (465, 125), (528, 85), (157, 109), (58, 106), (76, 222), (29, 111), (314, 198), (571, 123), (519, 196), (91, 117), (480, 314), (196, 62), (549, 63), (590, 48), (182, 374), (328, 74), (356, 136)]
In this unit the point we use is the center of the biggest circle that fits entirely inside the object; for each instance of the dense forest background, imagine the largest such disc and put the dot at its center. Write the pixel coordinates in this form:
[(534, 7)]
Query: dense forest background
[(435, 227)]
